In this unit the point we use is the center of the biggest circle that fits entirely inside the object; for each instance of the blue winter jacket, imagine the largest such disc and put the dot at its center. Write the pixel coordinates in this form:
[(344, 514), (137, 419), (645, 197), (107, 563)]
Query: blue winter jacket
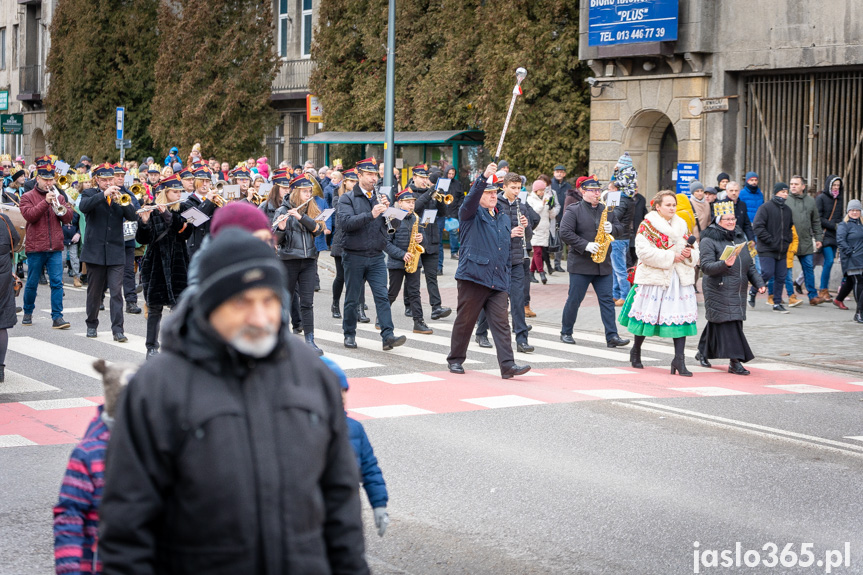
[(370, 472), (753, 198), (321, 239), (485, 242)]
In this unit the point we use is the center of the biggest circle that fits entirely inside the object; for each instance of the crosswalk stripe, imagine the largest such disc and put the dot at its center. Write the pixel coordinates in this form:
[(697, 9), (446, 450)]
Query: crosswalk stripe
[(15, 441), (136, 343), (612, 393), (371, 345), (601, 339), (499, 401), (802, 388), (473, 347), (347, 362), (391, 411), (710, 391), (402, 378), (602, 371), (46, 404), (17, 383), (560, 346), (57, 355)]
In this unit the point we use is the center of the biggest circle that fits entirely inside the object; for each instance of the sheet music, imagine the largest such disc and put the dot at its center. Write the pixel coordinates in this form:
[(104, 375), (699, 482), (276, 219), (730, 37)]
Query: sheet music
[(231, 192), (265, 188), (612, 199), (195, 217), (325, 215), (395, 213), (429, 217), (61, 167), (443, 184)]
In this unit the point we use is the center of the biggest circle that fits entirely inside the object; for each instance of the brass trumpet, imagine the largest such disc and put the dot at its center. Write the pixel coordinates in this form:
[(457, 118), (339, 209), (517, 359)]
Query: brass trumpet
[(258, 199), (445, 198), (63, 182), (125, 200), (137, 191)]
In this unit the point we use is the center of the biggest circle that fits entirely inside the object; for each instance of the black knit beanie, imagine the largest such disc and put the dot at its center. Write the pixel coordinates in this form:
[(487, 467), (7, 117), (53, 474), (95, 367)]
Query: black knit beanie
[(232, 263)]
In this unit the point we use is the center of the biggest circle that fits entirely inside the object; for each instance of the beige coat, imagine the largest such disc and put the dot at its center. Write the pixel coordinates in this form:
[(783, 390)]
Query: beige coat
[(655, 264), (542, 231)]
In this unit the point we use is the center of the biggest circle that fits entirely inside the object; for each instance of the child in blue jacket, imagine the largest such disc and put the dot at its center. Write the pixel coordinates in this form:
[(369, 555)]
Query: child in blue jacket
[(372, 478)]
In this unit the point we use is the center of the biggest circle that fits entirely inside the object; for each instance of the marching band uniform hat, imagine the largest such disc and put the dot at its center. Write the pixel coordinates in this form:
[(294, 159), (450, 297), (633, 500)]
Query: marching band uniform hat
[(42, 160), (350, 175), (185, 173), (45, 171), (591, 183), (118, 170), (367, 165), (406, 194), (301, 181), (171, 183), (202, 172), (103, 171), (282, 178), (421, 170), (242, 173)]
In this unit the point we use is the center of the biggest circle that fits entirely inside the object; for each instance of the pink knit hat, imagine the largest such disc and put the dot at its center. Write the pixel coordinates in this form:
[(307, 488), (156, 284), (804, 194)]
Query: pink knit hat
[(239, 215), (538, 185)]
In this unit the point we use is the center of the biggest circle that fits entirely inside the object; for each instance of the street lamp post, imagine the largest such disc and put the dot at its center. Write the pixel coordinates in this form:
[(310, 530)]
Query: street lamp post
[(389, 128)]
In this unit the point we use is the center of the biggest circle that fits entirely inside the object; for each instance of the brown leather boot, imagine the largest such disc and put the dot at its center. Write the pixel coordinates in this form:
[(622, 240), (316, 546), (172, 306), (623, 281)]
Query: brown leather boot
[(528, 312), (77, 281), (825, 295)]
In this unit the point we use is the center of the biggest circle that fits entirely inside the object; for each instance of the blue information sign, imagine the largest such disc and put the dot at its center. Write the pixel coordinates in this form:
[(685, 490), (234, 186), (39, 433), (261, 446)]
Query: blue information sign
[(632, 21), (685, 174), (121, 119)]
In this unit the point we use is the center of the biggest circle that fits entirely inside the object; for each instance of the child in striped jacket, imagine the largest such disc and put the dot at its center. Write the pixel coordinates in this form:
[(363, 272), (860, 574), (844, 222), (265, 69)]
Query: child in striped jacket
[(76, 515)]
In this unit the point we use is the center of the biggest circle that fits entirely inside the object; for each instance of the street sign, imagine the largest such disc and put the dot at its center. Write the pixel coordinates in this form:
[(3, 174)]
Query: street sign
[(122, 144), (4, 100), (685, 174), (121, 118), (314, 109), (614, 22), (698, 106), (12, 123)]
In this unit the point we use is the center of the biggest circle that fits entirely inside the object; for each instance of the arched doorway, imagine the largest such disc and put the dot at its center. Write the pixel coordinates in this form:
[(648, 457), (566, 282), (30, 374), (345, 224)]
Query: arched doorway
[(38, 143), (652, 142)]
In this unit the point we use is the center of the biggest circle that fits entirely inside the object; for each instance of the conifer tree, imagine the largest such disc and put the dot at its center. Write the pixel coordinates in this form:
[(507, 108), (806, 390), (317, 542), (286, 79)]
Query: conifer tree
[(102, 54), (217, 61)]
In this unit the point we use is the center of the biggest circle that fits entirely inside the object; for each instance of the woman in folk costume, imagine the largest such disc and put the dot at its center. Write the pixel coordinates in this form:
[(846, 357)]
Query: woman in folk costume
[(662, 299)]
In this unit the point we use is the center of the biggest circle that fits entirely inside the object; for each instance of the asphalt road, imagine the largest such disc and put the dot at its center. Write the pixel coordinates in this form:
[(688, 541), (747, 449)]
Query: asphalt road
[(587, 467)]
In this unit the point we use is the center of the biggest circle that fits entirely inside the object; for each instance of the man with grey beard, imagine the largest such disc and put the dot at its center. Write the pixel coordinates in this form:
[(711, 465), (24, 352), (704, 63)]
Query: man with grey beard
[(230, 452)]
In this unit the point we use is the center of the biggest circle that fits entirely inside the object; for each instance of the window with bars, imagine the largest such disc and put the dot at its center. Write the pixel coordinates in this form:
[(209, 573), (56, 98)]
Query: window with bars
[(307, 28)]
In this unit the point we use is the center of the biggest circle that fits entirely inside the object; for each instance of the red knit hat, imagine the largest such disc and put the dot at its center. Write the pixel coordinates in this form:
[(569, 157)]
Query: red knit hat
[(239, 215)]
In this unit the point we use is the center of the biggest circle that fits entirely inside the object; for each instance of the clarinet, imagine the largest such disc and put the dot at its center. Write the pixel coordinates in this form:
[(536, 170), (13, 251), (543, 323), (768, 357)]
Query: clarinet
[(518, 215)]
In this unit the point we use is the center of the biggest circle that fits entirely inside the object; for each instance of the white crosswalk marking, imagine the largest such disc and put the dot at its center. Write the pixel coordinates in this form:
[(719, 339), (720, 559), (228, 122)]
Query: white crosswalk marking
[(531, 373), (391, 411), (406, 378), (46, 404), (496, 402), (375, 345), (602, 371), (612, 393), (136, 343), (55, 354), (774, 366), (474, 348), (710, 391), (17, 383), (802, 388), (346, 362), (558, 346), (581, 335), (15, 441)]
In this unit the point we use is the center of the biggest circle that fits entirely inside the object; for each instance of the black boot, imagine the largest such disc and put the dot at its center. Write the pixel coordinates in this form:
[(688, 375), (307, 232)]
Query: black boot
[(635, 358), (858, 317), (2, 373), (542, 277), (310, 340), (533, 279), (702, 360), (678, 365), (557, 268), (337, 314), (737, 368), (361, 315), (421, 327)]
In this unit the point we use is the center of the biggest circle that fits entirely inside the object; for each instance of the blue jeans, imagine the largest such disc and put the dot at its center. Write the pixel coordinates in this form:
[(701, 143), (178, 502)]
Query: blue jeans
[(829, 255), (774, 268), (808, 277), (35, 262), (359, 270), (577, 288), (453, 241), (620, 285)]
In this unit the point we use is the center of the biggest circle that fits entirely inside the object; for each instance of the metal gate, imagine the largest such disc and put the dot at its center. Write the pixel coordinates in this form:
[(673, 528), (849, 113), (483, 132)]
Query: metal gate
[(806, 124)]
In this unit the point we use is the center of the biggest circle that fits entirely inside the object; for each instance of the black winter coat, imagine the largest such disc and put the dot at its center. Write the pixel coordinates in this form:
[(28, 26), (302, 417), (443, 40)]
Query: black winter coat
[(362, 234), (196, 236), (431, 233), (397, 243), (338, 235), (8, 317), (220, 464), (269, 210), (456, 189), (578, 228), (849, 236), (831, 211), (560, 192), (297, 240), (741, 212), (772, 227), (725, 287), (639, 211), (103, 234), (624, 212), (165, 269)]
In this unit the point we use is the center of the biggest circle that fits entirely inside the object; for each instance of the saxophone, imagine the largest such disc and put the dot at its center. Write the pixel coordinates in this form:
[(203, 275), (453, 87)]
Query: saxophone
[(603, 239), (414, 249)]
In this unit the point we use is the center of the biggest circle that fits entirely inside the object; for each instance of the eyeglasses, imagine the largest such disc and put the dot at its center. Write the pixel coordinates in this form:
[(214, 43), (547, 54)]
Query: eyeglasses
[(731, 219)]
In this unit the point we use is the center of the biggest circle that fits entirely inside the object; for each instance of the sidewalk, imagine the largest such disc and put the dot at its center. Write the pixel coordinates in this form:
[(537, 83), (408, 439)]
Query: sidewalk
[(817, 337)]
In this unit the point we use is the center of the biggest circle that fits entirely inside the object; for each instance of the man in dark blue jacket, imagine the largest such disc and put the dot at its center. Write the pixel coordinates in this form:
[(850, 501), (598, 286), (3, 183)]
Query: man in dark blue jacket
[(365, 237), (483, 275), (560, 187), (129, 229)]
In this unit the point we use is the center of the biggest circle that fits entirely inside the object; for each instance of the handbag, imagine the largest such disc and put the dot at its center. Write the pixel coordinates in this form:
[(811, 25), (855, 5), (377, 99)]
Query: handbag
[(17, 284), (451, 225), (554, 241)]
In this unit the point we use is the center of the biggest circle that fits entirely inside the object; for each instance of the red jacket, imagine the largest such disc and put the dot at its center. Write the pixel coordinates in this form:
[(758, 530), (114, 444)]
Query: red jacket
[(44, 229)]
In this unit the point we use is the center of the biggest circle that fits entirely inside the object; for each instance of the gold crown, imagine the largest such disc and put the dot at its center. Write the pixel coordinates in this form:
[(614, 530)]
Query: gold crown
[(5, 158), (723, 209)]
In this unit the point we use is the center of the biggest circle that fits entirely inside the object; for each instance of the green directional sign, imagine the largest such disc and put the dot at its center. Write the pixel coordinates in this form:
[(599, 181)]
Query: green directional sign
[(12, 123)]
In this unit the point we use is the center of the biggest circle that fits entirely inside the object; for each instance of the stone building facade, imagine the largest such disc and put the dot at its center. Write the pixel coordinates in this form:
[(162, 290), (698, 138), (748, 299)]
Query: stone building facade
[(791, 74)]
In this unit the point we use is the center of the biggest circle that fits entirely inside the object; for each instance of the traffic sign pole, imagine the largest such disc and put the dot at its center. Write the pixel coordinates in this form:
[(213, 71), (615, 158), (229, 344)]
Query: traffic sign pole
[(121, 120)]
